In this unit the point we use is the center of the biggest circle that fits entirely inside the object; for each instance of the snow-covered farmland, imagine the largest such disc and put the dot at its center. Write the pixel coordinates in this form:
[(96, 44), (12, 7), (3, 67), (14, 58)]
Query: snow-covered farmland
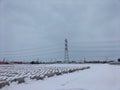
[(21, 73), (98, 77)]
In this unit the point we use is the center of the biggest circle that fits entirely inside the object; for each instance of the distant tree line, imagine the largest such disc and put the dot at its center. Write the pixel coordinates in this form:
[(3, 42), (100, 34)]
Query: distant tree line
[(70, 62), (59, 62), (98, 61), (118, 59)]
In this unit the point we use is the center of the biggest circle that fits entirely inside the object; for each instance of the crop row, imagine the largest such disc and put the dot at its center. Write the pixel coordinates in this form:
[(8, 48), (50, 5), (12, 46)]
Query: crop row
[(18, 73)]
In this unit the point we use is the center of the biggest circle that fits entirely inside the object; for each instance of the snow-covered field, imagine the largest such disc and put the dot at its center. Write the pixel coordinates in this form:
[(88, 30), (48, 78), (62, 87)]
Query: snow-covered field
[(24, 73), (98, 77)]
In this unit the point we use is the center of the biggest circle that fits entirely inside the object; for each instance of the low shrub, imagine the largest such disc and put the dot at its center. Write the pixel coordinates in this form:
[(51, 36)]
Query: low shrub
[(3, 84), (21, 80)]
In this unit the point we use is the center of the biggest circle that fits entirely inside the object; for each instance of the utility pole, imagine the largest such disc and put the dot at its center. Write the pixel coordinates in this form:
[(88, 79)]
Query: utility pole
[(66, 57), (3, 59)]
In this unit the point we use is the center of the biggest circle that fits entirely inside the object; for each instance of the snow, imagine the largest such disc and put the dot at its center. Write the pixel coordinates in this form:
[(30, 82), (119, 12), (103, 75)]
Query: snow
[(98, 77), (10, 72)]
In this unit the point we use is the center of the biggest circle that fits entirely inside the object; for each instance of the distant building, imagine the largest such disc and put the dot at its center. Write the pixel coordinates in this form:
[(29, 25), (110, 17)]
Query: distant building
[(3, 62), (16, 62)]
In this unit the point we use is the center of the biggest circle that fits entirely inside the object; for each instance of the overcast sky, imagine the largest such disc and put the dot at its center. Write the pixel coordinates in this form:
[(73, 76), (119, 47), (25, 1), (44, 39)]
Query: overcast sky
[(31, 29)]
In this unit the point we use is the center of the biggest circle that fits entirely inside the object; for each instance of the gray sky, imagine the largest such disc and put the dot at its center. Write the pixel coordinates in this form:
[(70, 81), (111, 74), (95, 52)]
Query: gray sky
[(37, 28)]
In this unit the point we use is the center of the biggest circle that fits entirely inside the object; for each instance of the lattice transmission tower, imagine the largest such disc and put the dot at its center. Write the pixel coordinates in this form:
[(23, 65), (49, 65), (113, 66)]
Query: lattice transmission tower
[(66, 57)]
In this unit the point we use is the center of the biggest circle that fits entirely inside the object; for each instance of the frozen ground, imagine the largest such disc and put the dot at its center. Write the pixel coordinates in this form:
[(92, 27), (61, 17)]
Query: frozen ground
[(98, 77)]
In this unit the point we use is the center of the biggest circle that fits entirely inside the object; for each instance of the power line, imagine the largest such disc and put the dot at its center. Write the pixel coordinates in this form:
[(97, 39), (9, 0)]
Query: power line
[(75, 44), (31, 50), (38, 53), (48, 51), (106, 41)]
